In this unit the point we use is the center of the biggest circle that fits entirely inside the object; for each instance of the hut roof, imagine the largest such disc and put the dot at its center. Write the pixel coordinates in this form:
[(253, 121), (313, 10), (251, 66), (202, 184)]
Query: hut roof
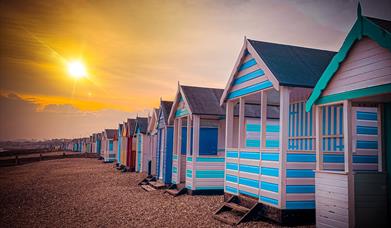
[(131, 124), (142, 123), (203, 101), (293, 65), (165, 108), (110, 133)]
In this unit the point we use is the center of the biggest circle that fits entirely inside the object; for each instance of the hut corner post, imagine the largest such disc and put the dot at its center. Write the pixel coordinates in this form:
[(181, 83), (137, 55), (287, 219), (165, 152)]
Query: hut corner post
[(229, 123), (175, 150), (284, 123), (318, 132), (348, 158)]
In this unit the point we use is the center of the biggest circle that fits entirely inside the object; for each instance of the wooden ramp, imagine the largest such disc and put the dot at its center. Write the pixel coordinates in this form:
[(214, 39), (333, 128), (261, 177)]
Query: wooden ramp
[(237, 210), (176, 190)]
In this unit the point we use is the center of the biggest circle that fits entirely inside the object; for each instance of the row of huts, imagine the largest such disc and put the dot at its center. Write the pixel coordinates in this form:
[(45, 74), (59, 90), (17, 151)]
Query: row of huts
[(297, 134)]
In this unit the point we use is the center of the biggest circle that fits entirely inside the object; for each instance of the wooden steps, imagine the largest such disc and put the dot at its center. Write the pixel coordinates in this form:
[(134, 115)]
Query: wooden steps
[(146, 180), (148, 188), (236, 210), (157, 184), (176, 190)]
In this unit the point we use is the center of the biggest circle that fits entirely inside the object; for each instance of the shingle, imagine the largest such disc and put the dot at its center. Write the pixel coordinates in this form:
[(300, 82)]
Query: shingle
[(293, 65)]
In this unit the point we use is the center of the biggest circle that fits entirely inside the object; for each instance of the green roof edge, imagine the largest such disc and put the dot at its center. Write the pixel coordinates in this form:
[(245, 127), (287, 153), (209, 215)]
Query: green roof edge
[(362, 27)]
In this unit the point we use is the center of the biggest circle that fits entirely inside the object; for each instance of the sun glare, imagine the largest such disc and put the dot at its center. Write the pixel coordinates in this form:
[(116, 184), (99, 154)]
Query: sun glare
[(76, 69)]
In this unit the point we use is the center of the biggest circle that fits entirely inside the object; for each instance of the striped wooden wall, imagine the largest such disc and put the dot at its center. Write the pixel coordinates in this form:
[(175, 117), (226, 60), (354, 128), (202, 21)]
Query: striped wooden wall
[(249, 78), (253, 173), (174, 178), (205, 173), (367, 65), (139, 152), (181, 109), (253, 133), (366, 135), (300, 160)]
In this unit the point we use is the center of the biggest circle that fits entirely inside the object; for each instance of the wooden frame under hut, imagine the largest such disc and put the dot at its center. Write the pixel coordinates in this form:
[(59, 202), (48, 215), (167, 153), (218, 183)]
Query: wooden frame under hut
[(270, 162), (352, 100), (198, 151)]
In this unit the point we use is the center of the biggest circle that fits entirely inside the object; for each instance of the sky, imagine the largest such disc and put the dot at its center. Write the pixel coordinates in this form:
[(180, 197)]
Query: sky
[(136, 52)]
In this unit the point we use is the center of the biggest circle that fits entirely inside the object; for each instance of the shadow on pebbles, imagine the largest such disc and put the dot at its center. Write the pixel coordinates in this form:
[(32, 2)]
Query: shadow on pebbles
[(87, 193)]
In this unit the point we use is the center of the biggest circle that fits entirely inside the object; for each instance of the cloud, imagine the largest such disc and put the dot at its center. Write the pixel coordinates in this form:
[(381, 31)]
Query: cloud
[(23, 119)]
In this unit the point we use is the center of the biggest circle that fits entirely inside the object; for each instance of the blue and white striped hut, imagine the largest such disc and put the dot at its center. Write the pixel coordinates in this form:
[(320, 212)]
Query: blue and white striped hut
[(271, 161), (198, 151)]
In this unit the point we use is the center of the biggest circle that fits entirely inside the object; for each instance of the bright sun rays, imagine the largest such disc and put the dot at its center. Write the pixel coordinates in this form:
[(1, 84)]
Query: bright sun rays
[(77, 69)]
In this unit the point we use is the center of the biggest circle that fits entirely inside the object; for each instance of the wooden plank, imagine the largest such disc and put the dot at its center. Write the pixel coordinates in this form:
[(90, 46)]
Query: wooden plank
[(283, 137), (318, 141)]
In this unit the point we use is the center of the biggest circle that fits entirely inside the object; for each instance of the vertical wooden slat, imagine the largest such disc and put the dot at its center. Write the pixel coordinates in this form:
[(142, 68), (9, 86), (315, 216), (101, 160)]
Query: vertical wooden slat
[(347, 128), (263, 118), (196, 135), (242, 127), (263, 132), (379, 136), (179, 152), (188, 135), (284, 119), (229, 122), (318, 135)]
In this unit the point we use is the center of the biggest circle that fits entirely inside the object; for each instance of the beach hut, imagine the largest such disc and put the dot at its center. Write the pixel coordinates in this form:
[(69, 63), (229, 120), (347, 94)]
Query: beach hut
[(143, 156), (115, 147), (131, 147), (98, 145), (108, 145), (152, 139), (352, 103), (93, 143), (164, 143), (269, 162), (124, 144), (198, 151), (119, 137)]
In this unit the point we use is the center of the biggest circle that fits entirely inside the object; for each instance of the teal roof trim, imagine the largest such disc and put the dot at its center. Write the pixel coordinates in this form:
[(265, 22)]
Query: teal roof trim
[(362, 27)]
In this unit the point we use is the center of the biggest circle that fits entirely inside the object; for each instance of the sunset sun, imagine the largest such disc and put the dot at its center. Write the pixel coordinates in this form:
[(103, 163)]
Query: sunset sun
[(76, 69)]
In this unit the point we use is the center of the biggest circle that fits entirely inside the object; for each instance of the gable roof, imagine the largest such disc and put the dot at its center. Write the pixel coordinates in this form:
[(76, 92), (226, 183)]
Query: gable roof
[(131, 126), (142, 124), (199, 101), (281, 64), (110, 133), (152, 123), (203, 101), (376, 29), (165, 109), (292, 65)]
